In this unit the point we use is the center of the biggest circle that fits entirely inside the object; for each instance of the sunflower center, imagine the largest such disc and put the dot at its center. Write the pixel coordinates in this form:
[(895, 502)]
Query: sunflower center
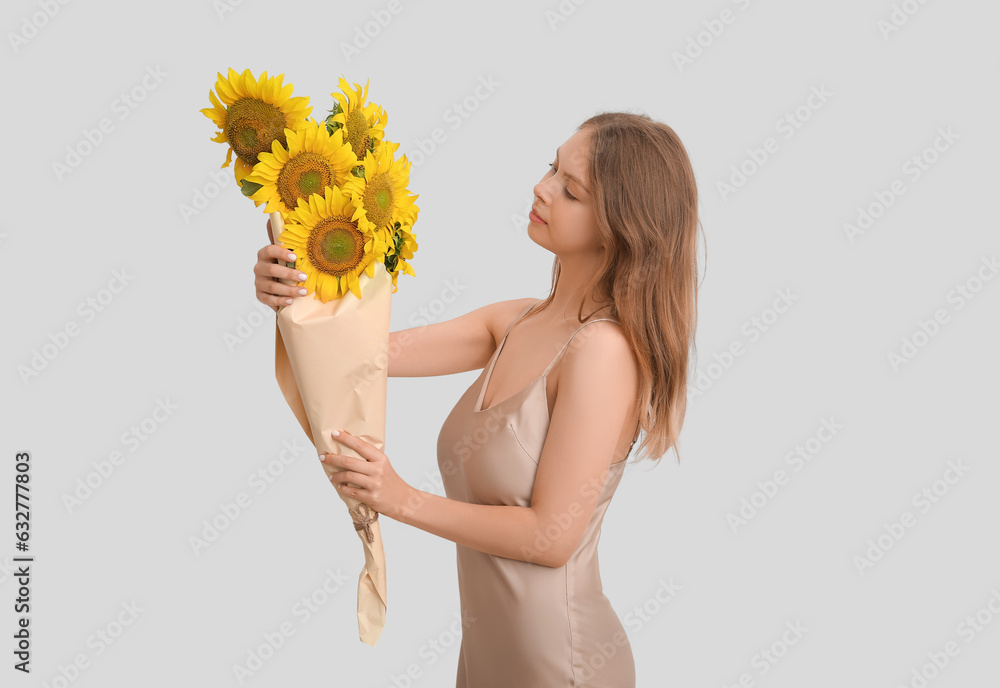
[(336, 246), (379, 199), (251, 126), (357, 133), (309, 182), (307, 173)]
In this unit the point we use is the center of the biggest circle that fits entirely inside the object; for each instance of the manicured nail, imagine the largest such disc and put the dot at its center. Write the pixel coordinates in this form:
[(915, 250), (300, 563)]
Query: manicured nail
[(303, 277), (291, 256), (288, 301), (302, 291), (335, 433)]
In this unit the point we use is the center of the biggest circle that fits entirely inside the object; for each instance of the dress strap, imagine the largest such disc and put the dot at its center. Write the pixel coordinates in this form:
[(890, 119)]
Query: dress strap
[(564, 346), (514, 321)]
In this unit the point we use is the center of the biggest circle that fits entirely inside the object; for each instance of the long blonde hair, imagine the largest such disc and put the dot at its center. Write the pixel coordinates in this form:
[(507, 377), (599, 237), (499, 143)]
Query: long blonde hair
[(646, 206)]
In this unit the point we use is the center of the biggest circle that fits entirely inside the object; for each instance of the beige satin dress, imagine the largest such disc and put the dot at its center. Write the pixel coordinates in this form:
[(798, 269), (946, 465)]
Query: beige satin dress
[(526, 625)]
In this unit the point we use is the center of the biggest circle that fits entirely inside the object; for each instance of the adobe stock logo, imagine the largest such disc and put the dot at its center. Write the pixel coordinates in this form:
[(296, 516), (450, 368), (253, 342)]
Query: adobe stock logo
[(698, 43), (926, 329), (768, 656), (122, 105), (58, 340), (752, 329), (899, 17), (766, 490), (924, 499), (30, 26), (455, 115), (134, 437), (364, 35), (915, 167), (788, 125)]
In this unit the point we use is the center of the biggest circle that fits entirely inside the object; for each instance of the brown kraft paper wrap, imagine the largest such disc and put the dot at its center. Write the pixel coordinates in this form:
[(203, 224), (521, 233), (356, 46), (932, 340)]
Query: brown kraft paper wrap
[(331, 363)]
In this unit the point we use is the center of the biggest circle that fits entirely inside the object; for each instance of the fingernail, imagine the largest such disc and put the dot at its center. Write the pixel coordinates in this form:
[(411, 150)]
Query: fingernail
[(288, 300), (303, 277), (335, 433), (302, 292), (291, 256)]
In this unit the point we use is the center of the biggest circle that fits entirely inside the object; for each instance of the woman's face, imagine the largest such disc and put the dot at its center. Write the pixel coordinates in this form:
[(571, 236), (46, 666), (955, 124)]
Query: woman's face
[(565, 222)]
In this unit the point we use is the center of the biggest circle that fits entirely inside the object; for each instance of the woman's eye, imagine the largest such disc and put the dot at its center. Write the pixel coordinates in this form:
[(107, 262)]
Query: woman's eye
[(552, 168)]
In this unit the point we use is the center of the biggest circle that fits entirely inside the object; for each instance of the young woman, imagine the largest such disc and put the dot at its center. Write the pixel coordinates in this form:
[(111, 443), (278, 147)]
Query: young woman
[(532, 453)]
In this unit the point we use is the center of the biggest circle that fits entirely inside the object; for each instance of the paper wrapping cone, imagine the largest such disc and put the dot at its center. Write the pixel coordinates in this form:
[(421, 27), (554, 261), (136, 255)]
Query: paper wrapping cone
[(331, 363)]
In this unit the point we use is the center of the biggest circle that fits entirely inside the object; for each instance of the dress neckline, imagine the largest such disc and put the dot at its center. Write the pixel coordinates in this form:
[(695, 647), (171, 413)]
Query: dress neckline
[(489, 374), (478, 408)]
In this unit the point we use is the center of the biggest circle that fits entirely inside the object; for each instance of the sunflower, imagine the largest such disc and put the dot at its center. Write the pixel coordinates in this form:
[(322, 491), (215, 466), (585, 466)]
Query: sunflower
[(363, 124), (330, 247), (253, 113), (380, 194), (403, 244), (312, 161)]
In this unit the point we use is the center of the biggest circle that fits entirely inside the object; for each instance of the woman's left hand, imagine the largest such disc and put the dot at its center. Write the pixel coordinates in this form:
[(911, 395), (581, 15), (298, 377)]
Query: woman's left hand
[(370, 479)]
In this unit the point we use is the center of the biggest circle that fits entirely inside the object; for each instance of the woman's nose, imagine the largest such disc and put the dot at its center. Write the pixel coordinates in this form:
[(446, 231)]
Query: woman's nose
[(541, 192)]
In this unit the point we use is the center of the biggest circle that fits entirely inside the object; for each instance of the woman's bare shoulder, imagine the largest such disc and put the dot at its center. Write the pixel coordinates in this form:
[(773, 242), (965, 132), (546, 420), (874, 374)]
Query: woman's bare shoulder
[(502, 313)]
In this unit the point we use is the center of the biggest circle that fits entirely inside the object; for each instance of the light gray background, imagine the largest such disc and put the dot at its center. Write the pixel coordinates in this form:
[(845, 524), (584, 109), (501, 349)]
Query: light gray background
[(164, 336)]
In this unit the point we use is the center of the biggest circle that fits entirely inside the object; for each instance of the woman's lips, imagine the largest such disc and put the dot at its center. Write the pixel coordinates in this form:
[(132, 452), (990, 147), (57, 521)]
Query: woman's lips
[(534, 218)]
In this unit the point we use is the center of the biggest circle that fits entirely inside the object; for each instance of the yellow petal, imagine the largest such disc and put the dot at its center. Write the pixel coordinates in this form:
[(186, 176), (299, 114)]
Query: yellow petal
[(249, 84), (227, 92), (242, 169), (215, 101), (293, 143)]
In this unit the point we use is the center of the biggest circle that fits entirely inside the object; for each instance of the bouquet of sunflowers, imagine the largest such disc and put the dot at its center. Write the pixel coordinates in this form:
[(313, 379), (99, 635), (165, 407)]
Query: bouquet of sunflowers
[(337, 198)]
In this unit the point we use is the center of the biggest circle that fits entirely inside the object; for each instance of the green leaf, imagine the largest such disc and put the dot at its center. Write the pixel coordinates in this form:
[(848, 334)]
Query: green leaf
[(332, 126), (250, 188)]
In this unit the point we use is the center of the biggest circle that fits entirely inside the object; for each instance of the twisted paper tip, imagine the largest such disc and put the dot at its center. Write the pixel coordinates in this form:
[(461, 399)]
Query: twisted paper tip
[(363, 517)]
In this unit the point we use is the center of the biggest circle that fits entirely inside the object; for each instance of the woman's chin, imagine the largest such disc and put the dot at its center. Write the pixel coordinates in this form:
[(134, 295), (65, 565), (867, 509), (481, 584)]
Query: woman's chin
[(533, 229)]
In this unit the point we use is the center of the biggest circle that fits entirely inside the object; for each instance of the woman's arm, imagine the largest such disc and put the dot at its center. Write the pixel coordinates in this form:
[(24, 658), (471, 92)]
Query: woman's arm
[(598, 382), (504, 531), (452, 346)]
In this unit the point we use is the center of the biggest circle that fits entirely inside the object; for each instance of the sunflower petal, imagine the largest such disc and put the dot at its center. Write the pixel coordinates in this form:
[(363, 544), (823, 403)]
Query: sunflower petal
[(226, 91), (242, 169), (249, 84)]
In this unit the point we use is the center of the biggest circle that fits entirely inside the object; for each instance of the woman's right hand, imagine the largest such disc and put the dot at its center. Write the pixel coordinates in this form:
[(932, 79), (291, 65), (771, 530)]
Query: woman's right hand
[(267, 271)]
